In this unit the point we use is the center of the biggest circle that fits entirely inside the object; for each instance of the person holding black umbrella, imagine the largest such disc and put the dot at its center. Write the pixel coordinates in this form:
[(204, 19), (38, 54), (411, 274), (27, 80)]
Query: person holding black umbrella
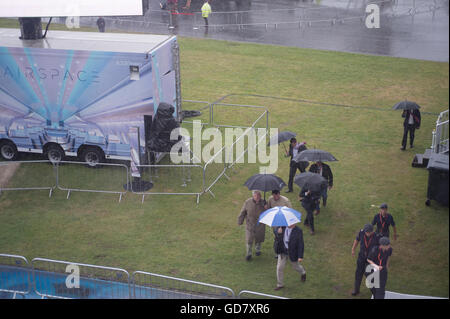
[(309, 199), (368, 239), (411, 114), (325, 171), (254, 231), (410, 124), (294, 149)]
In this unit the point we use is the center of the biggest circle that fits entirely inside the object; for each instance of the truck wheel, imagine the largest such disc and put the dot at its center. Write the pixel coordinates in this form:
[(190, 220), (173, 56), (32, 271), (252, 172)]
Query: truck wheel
[(8, 150), (55, 154), (92, 157)]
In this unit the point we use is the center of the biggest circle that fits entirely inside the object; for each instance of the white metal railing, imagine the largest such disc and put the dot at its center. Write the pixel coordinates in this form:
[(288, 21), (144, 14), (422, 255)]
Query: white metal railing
[(440, 135)]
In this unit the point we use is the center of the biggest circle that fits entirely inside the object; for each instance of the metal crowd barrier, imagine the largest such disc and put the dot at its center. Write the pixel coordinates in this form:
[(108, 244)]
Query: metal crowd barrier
[(176, 179), (246, 294), (35, 179), (15, 275), (94, 281), (102, 178), (153, 286), (170, 179), (56, 279)]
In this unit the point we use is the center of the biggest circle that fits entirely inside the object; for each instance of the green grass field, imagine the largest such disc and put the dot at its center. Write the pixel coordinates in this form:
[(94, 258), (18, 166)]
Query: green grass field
[(171, 235)]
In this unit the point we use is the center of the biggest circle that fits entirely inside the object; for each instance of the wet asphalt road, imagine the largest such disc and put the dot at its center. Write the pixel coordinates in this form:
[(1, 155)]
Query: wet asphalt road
[(416, 29)]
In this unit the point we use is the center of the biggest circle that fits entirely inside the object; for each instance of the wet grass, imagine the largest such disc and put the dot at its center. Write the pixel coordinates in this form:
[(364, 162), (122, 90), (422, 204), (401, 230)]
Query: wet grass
[(173, 236)]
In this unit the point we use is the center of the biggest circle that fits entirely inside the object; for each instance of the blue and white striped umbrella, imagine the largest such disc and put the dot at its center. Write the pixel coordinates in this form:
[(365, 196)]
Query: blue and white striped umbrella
[(280, 216)]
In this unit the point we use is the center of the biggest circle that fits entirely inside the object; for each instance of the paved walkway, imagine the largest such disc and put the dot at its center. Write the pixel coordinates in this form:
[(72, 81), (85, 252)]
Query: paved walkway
[(417, 29)]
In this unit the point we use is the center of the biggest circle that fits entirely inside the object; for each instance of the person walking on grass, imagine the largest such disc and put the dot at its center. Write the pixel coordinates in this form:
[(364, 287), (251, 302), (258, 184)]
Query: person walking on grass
[(289, 244), (384, 220), (277, 200), (309, 201), (254, 231), (367, 239), (294, 149), (410, 124), (325, 171), (379, 258)]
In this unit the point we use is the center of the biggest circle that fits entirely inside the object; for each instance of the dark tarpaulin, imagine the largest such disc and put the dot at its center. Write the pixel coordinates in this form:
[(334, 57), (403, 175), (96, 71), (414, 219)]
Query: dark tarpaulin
[(162, 125), (438, 179)]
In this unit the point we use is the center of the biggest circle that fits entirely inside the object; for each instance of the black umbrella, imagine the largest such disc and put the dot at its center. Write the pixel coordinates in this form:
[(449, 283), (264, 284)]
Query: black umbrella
[(281, 137), (265, 183), (314, 155), (406, 105), (313, 181)]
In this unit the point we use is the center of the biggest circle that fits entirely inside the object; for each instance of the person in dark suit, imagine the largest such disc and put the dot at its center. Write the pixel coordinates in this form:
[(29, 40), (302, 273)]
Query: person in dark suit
[(294, 149), (368, 239), (325, 171), (410, 124), (289, 244), (384, 220), (379, 259), (101, 24), (309, 201)]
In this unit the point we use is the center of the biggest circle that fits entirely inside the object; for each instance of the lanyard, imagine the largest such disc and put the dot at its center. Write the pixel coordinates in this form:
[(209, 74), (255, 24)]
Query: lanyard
[(367, 244), (382, 224), (379, 254)]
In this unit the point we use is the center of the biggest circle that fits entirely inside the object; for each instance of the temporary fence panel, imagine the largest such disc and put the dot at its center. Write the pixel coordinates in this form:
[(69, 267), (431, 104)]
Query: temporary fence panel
[(153, 286), (214, 169), (247, 294), (201, 107), (63, 279), (237, 115), (182, 179), (15, 276), (101, 178), (396, 295), (27, 175)]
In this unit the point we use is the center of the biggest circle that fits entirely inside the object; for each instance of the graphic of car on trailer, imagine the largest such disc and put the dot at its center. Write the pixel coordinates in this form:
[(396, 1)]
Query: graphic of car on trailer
[(84, 94)]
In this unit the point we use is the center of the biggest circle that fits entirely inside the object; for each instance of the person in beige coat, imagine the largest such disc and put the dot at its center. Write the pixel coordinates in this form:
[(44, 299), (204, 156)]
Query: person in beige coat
[(277, 200), (254, 231)]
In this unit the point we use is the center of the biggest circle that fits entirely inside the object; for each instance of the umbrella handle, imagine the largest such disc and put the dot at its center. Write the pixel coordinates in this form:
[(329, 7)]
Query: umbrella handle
[(285, 150)]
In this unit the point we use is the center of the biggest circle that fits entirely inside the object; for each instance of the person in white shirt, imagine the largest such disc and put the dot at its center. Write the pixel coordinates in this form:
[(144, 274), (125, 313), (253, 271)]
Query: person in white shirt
[(294, 149)]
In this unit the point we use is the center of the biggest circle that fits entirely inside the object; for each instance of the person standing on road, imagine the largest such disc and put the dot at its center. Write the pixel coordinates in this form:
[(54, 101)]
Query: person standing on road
[(101, 24), (254, 231), (206, 11), (368, 239)]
